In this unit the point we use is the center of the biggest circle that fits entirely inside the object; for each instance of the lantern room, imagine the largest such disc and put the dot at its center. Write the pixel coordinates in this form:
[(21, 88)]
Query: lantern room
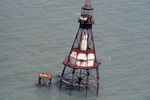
[(87, 9)]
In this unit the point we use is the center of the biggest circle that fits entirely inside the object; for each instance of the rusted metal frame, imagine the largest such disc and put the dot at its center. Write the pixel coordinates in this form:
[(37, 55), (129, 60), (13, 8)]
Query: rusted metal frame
[(80, 79), (91, 82), (66, 74), (93, 76), (39, 81), (77, 50), (47, 82), (60, 84), (79, 33), (96, 64), (72, 80), (89, 89), (42, 76), (87, 81), (98, 78), (73, 45), (87, 46), (89, 42), (50, 82), (93, 44)]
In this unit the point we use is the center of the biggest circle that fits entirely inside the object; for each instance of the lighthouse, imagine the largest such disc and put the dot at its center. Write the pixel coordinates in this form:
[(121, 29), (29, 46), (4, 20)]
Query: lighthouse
[(81, 67)]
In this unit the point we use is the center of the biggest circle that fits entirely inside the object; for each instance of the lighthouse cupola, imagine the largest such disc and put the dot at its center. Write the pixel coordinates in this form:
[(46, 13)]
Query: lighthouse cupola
[(87, 9), (86, 13)]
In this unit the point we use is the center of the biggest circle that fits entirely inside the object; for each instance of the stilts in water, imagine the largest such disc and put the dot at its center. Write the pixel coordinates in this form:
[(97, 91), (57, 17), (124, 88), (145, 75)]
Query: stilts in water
[(48, 77)]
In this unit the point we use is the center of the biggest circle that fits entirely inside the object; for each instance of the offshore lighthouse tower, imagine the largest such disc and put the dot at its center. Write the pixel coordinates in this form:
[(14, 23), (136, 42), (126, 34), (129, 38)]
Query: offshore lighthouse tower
[(81, 65)]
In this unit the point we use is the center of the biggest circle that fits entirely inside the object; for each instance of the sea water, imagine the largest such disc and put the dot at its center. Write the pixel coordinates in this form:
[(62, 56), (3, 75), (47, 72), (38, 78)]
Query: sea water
[(36, 36)]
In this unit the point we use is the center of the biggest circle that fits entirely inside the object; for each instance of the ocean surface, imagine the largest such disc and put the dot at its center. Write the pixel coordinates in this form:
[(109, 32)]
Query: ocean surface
[(36, 36)]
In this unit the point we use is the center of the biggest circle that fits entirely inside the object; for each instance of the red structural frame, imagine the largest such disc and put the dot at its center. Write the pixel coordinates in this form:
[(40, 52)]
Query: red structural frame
[(79, 76)]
